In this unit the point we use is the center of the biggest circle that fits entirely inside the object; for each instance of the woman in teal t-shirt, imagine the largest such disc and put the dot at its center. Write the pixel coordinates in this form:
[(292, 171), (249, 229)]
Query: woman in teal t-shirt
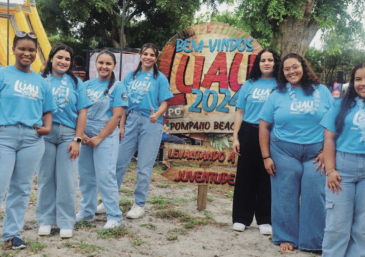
[(57, 174), (290, 152), (344, 156), (26, 107), (252, 191)]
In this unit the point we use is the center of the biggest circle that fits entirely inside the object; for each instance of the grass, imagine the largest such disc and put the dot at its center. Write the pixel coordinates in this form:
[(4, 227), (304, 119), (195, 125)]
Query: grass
[(84, 225), (126, 191), (148, 225), (87, 249), (160, 203), (35, 246), (125, 205), (29, 225), (130, 179), (137, 242), (6, 254), (112, 233), (210, 198), (162, 185), (180, 231), (171, 238)]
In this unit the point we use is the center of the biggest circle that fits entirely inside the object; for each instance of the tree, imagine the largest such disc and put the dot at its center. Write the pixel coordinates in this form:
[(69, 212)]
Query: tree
[(100, 21), (290, 25)]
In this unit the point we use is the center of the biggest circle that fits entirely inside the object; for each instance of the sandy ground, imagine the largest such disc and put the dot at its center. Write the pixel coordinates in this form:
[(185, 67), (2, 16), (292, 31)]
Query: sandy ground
[(172, 226)]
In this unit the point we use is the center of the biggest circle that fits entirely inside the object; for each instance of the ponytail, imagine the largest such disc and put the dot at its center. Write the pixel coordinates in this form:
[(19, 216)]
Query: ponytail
[(111, 83)]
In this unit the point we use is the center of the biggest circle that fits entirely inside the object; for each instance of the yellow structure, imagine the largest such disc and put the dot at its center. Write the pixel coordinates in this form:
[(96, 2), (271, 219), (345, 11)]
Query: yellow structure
[(23, 17)]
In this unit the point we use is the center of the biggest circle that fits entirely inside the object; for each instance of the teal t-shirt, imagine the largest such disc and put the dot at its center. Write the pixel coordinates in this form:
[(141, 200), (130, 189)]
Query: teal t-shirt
[(252, 96), (350, 140), (95, 89), (68, 99), (292, 120), (24, 97), (146, 92)]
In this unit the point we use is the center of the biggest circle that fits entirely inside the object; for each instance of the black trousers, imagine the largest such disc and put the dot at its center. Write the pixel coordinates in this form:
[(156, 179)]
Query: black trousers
[(252, 192)]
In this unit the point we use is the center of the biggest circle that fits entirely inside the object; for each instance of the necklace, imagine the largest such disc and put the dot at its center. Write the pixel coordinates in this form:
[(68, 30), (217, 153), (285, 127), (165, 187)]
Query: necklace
[(361, 119), (304, 108)]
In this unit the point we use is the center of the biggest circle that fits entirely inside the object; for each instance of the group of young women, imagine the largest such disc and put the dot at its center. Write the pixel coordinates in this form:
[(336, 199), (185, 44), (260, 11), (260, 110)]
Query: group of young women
[(54, 124), (287, 128)]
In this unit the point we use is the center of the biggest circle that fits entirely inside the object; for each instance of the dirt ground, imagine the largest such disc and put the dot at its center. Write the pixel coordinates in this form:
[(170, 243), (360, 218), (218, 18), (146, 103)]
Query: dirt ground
[(171, 226)]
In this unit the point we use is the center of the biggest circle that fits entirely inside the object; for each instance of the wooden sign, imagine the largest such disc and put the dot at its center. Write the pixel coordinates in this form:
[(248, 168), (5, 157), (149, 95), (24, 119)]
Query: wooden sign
[(206, 65), (199, 155), (199, 176)]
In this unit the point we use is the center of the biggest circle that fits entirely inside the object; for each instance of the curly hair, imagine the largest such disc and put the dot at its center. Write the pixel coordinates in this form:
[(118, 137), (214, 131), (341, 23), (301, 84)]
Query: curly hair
[(348, 101), (48, 68), (255, 73), (309, 77)]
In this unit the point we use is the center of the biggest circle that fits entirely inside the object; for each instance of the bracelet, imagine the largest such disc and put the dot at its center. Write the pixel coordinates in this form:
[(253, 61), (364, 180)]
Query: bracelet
[(266, 157), (330, 172)]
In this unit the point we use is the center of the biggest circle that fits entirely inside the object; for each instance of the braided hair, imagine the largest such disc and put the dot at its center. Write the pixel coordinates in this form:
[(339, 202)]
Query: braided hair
[(112, 77), (52, 53), (141, 51), (348, 101), (309, 77)]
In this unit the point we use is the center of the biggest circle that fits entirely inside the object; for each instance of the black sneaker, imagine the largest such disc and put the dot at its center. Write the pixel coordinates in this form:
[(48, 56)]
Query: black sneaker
[(17, 244)]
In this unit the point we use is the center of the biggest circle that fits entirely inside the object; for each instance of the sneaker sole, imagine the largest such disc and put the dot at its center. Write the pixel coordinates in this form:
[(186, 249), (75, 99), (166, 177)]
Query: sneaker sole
[(20, 247), (239, 229), (44, 233), (266, 233)]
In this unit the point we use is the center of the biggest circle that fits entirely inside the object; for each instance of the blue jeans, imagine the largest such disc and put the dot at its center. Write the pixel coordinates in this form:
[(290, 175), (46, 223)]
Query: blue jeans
[(21, 150), (298, 199), (57, 180), (97, 172), (144, 136), (345, 222)]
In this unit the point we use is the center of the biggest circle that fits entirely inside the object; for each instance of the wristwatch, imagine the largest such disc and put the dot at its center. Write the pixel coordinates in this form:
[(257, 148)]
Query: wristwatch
[(77, 139)]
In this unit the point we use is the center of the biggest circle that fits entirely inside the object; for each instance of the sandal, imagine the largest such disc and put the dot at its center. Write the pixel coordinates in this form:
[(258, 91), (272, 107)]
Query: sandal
[(286, 247)]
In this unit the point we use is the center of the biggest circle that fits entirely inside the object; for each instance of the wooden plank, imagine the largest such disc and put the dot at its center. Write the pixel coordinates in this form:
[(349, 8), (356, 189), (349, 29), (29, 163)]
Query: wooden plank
[(197, 154), (200, 176), (202, 197)]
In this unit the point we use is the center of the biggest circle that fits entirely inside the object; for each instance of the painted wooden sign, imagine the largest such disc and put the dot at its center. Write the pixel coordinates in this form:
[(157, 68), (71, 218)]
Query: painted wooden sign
[(199, 155), (200, 176), (206, 65)]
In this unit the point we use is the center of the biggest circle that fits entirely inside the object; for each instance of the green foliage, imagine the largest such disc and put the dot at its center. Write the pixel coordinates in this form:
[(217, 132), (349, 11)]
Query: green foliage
[(112, 233), (35, 246)]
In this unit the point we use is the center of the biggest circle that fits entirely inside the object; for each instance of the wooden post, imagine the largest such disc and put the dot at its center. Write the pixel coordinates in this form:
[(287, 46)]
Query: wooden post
[(203, 189), (202, 197)]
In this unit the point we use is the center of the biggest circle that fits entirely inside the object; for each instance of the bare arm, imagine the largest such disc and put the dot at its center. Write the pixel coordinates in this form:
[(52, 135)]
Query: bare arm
[(121, 126), (161, 110), (237, 125), (110, 126), (329, 151), (74, 147), (264, 137), (47, 124)]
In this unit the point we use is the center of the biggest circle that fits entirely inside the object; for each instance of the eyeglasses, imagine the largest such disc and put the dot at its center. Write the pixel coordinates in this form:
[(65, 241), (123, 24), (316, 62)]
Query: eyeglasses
[(24, 34), (294, 68)]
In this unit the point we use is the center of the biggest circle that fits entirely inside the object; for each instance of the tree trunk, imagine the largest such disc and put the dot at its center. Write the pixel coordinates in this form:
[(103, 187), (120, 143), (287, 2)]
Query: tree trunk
[(297, 34)]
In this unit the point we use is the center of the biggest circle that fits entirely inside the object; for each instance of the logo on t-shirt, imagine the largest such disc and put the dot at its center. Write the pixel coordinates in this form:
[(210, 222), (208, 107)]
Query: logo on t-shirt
[(137, 89), (359, 119), (26, 90), (260, 94), (94, 95), (60, 96), (125, 97), (298, 107)]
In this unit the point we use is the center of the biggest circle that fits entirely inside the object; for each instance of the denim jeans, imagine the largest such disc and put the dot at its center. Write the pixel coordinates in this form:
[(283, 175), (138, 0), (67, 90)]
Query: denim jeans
[(144, 136), (97, 166), (298, 198), (57, 180), (21, 150), (345, 222)]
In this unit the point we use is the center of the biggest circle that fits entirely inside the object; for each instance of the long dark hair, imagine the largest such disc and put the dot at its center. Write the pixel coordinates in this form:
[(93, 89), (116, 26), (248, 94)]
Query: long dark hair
[(309, 77), (255, 73), (348, 101), (52, 53), (112, 77), (157, 53)]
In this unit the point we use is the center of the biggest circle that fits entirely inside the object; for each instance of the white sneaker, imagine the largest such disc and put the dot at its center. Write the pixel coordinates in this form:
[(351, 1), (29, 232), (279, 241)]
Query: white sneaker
[(265, 229), (239, 227), (80, 218), (66, 233), (112, 224), (100, 209), (44, 230), (136, 212)]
